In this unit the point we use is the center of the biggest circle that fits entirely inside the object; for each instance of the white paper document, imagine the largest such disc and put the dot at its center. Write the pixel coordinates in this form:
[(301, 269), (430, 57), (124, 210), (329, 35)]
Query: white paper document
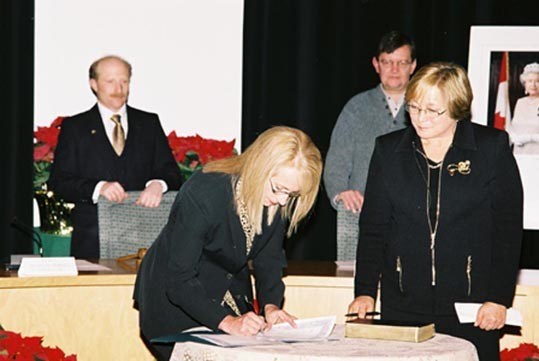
[(47, 266), (308, 330), (528, 277), (467, 313)]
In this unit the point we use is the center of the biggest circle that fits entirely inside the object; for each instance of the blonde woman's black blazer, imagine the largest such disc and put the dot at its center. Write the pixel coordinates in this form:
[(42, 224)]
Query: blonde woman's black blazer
[(199, 255)]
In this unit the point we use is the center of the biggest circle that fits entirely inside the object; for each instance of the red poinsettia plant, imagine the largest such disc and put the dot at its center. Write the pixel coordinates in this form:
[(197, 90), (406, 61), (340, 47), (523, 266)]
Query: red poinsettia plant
[(15, 347), (46, 139), (524, 352), (192, 152)]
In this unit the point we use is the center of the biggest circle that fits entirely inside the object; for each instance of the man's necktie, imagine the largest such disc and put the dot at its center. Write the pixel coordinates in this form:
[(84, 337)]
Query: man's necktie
[(118, 136)]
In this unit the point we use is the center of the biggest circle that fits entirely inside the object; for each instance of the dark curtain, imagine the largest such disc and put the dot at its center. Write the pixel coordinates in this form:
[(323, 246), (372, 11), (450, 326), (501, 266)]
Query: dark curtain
[(17, 64), (304, 59)]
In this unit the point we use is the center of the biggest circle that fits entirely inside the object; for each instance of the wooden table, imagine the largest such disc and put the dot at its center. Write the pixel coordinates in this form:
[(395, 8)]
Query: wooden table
[(92, 314)]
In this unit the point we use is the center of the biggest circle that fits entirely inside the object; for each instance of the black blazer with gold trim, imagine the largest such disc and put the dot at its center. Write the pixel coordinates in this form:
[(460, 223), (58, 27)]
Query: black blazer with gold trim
[(477, 248)]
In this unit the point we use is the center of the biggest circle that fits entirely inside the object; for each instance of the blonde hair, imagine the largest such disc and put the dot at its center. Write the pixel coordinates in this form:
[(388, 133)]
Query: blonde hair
[(451, 80), (275, 148)]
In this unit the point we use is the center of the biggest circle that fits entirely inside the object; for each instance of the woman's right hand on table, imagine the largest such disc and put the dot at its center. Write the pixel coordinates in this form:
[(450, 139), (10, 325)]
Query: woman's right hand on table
[(247, 324)]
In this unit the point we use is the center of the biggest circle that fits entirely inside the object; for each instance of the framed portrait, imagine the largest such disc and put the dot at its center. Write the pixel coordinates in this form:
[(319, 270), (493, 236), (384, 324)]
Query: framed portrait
[(503, 67)]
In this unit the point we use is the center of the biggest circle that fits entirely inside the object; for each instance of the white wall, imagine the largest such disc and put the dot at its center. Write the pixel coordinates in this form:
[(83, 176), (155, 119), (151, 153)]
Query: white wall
[(186, 57)]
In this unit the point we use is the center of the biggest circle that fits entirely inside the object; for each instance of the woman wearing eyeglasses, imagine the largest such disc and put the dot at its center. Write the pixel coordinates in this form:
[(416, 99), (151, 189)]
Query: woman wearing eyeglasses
[(236, 211), (442, 218)]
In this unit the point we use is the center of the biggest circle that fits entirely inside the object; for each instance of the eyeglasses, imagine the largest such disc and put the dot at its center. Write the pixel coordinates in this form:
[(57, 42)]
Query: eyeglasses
[(431, 113), (278, 191), (399, 63)]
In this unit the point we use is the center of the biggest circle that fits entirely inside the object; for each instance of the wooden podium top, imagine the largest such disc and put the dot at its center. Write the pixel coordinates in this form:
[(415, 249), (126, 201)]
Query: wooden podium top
[(116, 276), (316, 272), (306, 273)]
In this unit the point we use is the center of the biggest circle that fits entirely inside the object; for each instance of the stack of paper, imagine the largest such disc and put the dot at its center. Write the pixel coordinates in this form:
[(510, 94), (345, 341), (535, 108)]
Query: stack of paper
[(467, 313)]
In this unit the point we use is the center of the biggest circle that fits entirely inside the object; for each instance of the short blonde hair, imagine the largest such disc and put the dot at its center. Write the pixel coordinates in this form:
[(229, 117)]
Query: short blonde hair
[(275, 148), (451, 80)]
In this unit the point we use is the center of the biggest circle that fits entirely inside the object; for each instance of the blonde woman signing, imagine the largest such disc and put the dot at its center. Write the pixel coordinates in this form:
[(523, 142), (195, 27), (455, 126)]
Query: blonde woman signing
[(442, 218), (236, 210)]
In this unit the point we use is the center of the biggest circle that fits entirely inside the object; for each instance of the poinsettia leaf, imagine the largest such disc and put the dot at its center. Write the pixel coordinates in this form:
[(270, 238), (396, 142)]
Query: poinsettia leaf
[(57, 123), (12, 342), (15, 347), (524, 352), (54, 353), (33, 345)]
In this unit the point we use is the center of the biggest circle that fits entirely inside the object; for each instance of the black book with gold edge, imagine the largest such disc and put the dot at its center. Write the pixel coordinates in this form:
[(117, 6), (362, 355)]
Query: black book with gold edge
[(388, 330)]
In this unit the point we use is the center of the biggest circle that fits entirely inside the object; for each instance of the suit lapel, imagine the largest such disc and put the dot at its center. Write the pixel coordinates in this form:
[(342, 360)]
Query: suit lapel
[(238, 239), (134, 131), (99, 137), (102, 142)]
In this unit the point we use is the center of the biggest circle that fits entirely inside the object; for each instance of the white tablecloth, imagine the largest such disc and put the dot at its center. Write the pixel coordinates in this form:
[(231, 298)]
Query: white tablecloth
[(439, 348)]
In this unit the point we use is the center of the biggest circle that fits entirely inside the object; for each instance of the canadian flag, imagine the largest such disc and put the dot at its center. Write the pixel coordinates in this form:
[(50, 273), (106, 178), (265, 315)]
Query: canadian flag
[(502, 113)]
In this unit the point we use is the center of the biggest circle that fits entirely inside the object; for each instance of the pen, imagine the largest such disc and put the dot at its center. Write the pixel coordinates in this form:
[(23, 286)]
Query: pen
[(371, 313), (252, 306)]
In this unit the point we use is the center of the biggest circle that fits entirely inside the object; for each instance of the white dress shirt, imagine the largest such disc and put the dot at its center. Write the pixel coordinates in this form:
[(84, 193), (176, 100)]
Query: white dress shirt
[(393, 106), (109, 125)]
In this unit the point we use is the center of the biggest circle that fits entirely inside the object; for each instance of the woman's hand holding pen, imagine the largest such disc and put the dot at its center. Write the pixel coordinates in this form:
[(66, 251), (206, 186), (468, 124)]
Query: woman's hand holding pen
[(276, 315), (247, 324), (361, 306)]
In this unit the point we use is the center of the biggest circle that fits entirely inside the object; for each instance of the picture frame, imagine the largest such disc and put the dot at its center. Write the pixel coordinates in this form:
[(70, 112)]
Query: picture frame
[(487, 43)]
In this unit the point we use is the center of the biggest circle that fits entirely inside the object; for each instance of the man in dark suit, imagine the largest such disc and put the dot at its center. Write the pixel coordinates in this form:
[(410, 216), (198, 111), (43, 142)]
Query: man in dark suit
[(107, 151)]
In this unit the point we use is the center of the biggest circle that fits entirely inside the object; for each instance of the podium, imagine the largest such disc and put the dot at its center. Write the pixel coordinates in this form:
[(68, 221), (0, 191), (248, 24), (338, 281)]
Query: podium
[(92, 314)]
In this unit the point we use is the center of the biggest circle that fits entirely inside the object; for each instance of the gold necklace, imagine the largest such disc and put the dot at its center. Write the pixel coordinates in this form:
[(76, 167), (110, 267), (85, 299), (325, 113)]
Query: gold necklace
[(244, 218), (433, 230), (436, 165), (247, 227)]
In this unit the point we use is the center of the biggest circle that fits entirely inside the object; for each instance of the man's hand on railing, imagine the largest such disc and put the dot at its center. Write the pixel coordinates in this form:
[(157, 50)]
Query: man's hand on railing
[(151, 196), (114, 192)]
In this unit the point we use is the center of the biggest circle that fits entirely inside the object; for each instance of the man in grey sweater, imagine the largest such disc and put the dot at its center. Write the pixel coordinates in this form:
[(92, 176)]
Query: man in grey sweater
[(366, 116)]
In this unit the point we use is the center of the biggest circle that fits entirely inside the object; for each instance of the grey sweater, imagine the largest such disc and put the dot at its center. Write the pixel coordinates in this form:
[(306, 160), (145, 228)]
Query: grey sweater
[(365, 117)]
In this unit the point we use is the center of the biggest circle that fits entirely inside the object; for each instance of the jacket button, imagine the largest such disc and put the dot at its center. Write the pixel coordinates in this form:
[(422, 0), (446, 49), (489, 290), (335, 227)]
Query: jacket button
[(229, 276)]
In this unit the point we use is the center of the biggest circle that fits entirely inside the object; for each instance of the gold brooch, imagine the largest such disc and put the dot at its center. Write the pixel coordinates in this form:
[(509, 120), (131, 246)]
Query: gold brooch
[(463, 168)]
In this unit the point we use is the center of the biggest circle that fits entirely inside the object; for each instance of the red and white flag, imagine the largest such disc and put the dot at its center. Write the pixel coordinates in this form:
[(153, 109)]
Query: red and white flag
[(502, 113)]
